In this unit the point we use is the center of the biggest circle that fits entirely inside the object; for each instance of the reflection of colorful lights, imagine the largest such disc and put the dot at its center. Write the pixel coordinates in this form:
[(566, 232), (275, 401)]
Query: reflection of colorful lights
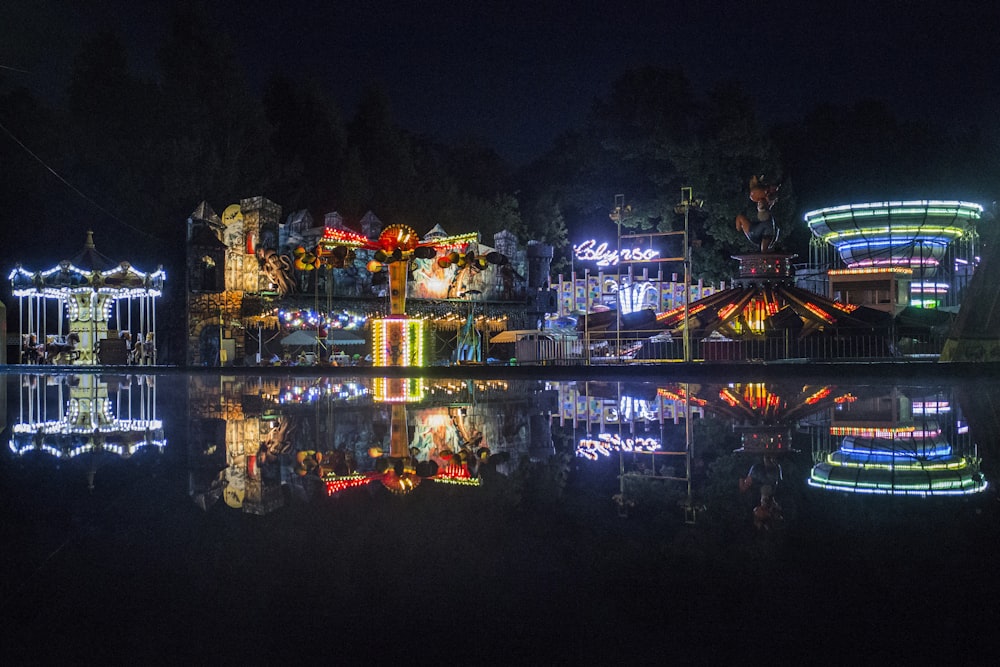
[(963, 485), (337, 483), (931, 407), (896, 462), (907, 476), (605, 443), (895, 449), (757, 396), (635, 409), (729, 397), (886, 432), (818, 396), (398, 390), (345, 391)]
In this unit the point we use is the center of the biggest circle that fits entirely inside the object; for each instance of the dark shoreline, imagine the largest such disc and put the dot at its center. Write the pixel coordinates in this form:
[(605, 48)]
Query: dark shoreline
[(856, 371)]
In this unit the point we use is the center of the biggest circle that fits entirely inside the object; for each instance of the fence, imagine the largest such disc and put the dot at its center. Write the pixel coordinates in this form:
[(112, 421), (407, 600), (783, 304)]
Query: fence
[(648, 347)]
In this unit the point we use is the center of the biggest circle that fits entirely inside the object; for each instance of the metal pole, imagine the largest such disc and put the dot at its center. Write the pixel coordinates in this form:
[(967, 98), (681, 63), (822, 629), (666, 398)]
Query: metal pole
[(620, 210), (586, 310), (689, 445), (687, 284)]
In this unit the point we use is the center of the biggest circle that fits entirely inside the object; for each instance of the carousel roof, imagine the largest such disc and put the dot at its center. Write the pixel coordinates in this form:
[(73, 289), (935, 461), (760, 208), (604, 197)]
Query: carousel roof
[(765, 300), (89, 259), (88, 270)]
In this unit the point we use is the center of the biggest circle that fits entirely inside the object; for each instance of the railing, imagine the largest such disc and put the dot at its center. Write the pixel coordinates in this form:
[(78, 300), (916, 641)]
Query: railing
[(650, 347)]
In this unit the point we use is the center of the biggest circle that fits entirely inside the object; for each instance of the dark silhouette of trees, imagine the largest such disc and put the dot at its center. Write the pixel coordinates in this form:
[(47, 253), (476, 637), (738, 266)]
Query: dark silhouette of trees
[(651, 136)]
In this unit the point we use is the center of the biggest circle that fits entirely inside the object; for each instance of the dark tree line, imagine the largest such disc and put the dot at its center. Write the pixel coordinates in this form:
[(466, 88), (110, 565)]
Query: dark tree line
[(138, 153)]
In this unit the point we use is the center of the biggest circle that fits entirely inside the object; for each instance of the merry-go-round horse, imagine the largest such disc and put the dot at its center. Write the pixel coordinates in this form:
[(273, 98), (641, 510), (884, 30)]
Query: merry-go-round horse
[(58, 352), (31, 351), (143, 352)]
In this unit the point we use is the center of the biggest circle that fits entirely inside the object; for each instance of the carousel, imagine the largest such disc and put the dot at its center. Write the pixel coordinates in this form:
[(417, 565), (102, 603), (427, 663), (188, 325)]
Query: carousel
[(87, 310), (88, 419)]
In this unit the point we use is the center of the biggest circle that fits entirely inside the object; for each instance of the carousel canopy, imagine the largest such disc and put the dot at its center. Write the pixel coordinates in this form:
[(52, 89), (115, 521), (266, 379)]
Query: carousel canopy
[(88, 270)]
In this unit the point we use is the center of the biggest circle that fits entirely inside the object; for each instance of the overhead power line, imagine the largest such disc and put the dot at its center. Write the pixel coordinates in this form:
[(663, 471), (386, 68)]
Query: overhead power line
[(74, 188)]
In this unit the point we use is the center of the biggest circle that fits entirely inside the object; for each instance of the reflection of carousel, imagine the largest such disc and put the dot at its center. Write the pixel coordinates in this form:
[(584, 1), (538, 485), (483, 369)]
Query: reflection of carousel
[(904, 446), (90, 291), (764, 413), (100, 418)]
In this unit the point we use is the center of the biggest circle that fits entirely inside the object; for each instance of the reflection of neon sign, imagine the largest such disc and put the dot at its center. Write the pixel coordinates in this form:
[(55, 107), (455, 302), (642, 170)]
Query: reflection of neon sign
[(606, 443), (590, 251)]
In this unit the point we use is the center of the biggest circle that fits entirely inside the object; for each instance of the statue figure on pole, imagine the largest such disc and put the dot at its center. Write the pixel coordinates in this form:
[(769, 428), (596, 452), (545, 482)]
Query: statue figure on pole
[(765, 231)]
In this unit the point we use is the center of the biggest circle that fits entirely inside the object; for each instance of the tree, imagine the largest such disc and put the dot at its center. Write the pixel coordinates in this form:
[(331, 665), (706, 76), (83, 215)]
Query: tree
[(309, 140), (651, 136), (214, 135), (731, 147), (385, 157)]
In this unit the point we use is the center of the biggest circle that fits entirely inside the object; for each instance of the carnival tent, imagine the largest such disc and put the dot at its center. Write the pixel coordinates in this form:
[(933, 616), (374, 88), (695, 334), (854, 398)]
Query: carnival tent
[(299, 338), (341, 337), (333, 337)]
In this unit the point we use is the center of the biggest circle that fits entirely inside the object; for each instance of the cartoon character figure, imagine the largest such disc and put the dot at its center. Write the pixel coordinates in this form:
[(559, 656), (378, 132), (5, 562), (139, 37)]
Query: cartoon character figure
[(765, 231)]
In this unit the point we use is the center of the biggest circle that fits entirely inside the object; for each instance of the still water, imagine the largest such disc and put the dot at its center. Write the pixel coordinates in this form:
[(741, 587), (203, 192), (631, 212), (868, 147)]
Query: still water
[(237, 517)]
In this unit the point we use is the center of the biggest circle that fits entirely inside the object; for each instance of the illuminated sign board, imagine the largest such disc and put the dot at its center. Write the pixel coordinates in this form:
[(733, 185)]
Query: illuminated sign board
[(591, 251)]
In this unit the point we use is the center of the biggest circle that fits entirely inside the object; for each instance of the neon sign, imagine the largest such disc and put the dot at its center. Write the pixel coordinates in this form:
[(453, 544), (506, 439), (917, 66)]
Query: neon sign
[(605, 443), (591, 251)]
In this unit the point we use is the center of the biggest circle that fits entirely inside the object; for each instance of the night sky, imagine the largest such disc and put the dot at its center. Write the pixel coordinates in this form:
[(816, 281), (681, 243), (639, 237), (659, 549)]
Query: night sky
[(516, 75)]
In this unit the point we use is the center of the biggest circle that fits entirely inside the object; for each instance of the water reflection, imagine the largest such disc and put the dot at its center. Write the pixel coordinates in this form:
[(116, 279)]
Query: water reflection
[(309, 475), (85, 418), (902, 441), (256, 443), (873, 440)]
